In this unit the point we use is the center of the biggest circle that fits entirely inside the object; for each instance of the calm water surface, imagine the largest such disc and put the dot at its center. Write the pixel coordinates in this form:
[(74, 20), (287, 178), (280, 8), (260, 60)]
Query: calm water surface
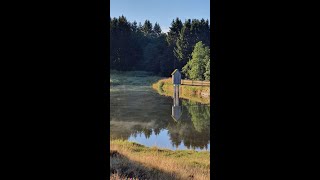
[(140, 114)]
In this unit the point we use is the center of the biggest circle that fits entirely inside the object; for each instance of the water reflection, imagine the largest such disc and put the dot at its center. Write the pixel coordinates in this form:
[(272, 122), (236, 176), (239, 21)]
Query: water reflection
[(151, 119), (176, 108)]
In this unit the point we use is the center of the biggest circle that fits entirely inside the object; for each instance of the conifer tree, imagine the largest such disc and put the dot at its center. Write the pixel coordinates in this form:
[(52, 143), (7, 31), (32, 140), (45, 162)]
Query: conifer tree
[(147, 27), (183, 48), (157, 29)]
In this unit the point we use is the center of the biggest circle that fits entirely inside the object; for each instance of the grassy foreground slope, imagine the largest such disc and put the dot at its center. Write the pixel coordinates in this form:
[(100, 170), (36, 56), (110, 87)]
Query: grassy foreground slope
[(131, 160)]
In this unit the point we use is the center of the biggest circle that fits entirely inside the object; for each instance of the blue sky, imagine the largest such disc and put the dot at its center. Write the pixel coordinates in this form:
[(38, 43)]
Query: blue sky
[(160, 11)]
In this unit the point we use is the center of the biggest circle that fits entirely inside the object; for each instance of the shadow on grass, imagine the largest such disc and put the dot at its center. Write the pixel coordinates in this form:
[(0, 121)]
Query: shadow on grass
[(121, 167)]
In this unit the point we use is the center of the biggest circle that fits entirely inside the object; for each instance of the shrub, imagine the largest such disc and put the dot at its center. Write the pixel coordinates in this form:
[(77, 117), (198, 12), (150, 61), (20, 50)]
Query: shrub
[(161, 83)]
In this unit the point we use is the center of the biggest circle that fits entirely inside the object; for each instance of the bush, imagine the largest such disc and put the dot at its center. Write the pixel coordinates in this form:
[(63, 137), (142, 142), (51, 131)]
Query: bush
[(160, 85), (197, 67)]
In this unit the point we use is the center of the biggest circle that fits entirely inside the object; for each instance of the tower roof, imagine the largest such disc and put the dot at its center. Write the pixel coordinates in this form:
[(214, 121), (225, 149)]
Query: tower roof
[(175, 71)]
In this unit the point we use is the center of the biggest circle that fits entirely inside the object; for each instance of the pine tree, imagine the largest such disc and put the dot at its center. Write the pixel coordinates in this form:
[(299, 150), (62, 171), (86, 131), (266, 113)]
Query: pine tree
[(171, 39), (134, 27), (183, 48), (174, 32), (147, 27), (157, 29)]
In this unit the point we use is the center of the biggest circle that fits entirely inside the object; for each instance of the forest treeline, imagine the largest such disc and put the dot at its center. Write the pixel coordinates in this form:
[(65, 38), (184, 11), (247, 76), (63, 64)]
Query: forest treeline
[(144, 47)]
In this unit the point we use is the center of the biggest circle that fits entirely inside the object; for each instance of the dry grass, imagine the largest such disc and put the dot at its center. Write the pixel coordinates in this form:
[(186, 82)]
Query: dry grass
[(131, 160), (194, 93)]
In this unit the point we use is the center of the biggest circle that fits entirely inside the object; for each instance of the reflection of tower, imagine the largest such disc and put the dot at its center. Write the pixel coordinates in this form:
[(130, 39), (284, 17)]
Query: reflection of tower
[(176, 108), (176, 95)]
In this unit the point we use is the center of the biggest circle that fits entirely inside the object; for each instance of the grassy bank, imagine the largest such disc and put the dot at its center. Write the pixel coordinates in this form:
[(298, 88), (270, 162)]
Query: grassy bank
[(131, 160), (194, 93)]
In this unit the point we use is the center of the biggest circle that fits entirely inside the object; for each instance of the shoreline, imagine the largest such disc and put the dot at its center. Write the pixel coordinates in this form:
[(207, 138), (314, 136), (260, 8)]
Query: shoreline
[(199, 94)]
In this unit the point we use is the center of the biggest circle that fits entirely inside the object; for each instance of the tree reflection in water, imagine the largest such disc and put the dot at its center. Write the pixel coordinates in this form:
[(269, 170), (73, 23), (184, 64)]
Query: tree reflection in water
[(142, 113)]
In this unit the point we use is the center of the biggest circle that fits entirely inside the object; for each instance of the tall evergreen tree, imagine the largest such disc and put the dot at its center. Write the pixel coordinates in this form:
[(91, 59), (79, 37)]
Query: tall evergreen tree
[(174, 32), (134, 26), (157, 29), (183, 48), (171, 39), (147, 27)]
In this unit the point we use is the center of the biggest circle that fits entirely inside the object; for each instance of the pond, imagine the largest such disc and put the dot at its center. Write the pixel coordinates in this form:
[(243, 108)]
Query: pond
[(140, 114)]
